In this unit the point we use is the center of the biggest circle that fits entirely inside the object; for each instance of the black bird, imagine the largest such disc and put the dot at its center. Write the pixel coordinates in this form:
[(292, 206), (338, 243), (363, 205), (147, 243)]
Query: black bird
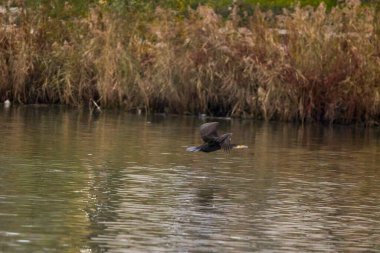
[(213, 141)]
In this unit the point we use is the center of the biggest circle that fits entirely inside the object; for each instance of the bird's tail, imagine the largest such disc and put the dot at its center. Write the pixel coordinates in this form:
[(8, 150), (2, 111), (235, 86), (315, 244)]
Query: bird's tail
[(193, 149)]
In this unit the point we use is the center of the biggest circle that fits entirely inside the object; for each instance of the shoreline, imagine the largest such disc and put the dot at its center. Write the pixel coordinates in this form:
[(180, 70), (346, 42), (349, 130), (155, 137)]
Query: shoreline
[(202, 117)]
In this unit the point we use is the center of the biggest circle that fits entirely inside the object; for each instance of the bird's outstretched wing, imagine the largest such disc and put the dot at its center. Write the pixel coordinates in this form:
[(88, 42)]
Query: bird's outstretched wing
[(225, 142), (209, 132)]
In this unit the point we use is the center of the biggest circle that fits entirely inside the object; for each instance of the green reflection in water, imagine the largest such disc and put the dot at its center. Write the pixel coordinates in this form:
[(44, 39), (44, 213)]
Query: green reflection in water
[(72, 181)]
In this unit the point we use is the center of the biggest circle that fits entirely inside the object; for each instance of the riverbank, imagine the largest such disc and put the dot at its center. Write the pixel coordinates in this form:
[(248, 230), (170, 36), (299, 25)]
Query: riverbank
[(308, 64)]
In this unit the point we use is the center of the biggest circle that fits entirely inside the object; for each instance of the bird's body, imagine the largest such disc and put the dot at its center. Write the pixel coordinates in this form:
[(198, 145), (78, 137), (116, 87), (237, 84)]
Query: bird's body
[(213, 141), (7, 103)]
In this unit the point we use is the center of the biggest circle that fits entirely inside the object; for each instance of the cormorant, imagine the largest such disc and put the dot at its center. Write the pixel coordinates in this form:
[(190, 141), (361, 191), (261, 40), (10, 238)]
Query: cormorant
[(213, 141)]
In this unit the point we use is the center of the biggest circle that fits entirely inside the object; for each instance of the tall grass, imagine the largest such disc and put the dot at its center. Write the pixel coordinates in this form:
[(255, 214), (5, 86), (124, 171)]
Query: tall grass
[(307, 64)]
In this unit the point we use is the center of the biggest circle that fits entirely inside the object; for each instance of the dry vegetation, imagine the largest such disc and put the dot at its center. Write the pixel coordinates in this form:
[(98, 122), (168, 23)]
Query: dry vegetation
[(308, 64)]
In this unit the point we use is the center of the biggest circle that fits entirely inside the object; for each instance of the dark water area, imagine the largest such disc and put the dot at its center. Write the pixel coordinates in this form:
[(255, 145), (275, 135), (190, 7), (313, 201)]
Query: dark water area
[(71, 181)]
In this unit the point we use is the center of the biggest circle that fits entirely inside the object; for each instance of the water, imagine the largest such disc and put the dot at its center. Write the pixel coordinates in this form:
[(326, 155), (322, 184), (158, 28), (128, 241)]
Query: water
[(75, 182)]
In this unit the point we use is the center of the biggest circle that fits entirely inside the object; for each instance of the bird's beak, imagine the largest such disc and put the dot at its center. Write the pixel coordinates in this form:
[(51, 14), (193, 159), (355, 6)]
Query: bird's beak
[(241, 146)]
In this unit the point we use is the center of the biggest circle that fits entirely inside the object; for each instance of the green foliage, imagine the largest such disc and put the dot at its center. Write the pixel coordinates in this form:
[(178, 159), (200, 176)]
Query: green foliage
[(62, 9), (79, 7)]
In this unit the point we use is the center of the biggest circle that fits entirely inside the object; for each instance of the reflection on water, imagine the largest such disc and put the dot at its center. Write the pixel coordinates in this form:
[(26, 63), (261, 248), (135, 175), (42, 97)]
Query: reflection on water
[(75, 182)]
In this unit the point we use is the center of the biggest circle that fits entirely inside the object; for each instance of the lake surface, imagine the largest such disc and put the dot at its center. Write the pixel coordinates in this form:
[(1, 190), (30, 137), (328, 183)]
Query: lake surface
[(71, 181)]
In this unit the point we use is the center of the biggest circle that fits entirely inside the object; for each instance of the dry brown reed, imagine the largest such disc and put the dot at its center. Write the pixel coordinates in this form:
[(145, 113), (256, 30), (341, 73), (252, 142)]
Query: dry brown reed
[(307, 64)]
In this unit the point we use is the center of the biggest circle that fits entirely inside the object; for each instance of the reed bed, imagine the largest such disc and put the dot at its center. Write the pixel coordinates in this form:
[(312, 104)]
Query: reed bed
[(306, 64)]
